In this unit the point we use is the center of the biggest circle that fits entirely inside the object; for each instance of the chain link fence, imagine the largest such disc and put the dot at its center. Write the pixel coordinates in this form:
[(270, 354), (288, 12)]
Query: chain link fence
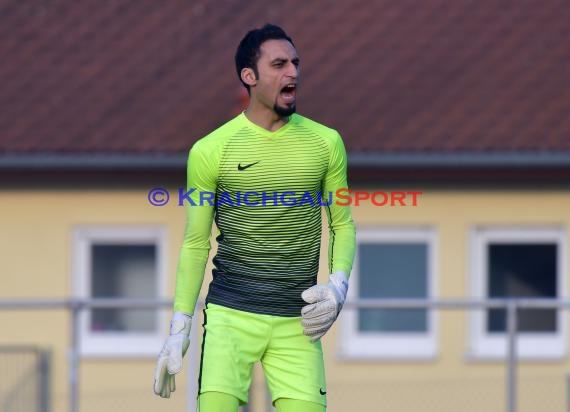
[(24, 379)]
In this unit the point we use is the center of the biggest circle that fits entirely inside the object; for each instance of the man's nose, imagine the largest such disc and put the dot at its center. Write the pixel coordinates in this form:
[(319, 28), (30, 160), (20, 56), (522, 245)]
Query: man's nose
[(293, 71)]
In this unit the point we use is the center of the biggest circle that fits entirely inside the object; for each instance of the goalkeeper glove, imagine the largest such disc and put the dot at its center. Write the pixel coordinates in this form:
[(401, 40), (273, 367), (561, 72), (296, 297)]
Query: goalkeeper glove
[(325, 303), (170, 358)]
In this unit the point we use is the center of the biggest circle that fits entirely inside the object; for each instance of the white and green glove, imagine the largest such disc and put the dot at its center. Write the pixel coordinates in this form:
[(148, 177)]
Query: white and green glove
[(170, 358), (325, 303)]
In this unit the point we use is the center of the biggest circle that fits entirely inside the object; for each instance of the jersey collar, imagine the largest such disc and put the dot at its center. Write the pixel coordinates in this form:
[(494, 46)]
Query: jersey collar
[(266, 132)]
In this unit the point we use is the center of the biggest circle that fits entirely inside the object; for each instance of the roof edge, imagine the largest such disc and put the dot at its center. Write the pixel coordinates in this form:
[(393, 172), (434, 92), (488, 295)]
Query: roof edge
[(460, 160), (380, 160), (92, 161)]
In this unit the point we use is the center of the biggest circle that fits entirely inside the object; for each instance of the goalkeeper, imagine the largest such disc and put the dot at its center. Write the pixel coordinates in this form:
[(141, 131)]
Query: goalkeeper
[(263, 303)]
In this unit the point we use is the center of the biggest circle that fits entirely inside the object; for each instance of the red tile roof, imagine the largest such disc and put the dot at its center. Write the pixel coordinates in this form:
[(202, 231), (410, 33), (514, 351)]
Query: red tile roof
[(147, 76)]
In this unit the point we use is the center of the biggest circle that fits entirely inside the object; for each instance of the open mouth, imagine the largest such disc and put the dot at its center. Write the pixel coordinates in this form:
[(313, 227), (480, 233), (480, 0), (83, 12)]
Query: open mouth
[(288, 93)]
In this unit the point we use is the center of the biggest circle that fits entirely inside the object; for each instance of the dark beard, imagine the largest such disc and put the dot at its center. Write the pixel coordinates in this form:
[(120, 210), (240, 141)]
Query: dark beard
[(284, 111)]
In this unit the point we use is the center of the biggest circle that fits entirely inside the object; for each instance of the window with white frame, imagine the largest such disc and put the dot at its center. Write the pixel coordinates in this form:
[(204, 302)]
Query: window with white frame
[(119, 262), (509, 262), (391, 263)]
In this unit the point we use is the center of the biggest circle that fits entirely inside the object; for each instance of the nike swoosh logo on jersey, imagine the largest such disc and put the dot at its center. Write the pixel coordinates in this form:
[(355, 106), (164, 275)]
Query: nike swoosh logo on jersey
[(240, 167)]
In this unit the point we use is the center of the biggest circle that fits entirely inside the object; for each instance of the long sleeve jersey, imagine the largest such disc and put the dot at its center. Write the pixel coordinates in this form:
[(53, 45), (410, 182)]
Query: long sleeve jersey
[(266, 192)]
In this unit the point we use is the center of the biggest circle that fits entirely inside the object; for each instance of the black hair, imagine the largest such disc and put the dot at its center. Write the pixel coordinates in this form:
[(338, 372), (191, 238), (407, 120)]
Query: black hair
[(248, 51)]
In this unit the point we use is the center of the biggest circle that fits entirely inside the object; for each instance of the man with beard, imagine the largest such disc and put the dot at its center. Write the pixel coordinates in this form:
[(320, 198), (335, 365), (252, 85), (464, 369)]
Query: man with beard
[(263, 303)]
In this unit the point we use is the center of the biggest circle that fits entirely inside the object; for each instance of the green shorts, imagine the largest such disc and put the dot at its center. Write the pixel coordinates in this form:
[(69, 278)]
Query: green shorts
[(235, 340)]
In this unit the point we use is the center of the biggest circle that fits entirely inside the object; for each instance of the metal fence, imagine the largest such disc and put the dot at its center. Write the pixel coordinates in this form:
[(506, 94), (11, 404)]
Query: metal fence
[(75, 306), (24, 379)]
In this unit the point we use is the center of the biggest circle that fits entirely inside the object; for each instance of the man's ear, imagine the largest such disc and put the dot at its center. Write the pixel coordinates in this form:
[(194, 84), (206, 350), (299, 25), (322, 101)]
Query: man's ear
[(248, 76)]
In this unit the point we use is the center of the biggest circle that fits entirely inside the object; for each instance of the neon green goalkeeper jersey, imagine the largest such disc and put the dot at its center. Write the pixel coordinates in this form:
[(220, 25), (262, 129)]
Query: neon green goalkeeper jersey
[(266, 192)]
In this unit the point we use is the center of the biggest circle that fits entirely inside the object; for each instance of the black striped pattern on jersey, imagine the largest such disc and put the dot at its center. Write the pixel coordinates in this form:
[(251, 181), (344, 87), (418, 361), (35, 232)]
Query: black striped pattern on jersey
[(268, 254)]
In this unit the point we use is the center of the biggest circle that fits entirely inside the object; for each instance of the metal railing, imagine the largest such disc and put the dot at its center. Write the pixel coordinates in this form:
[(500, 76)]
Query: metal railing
[(511, 305), (75, 306)]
